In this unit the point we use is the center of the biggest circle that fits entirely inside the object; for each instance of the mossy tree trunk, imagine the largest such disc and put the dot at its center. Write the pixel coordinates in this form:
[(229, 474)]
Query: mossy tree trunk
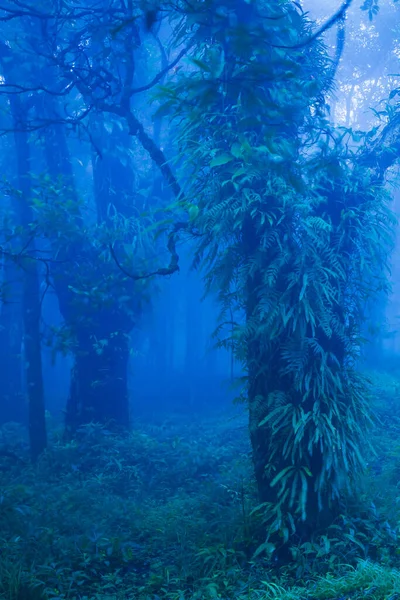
[(99, 386), (285, 252), (89, 288)]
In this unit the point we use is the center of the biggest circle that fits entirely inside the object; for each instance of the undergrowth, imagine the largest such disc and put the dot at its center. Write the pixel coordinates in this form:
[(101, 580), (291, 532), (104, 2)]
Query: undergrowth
[(168, 513)]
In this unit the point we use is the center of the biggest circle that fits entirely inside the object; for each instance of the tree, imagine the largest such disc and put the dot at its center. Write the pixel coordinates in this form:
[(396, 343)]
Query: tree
[(294, 233), (28, 269), (99, 275), (12, 398)]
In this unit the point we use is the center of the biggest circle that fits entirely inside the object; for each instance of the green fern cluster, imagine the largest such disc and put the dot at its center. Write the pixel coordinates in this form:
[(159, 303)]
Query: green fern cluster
[(293, 236)]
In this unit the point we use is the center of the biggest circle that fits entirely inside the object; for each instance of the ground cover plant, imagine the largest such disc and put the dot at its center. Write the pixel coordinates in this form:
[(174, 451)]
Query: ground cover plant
[(169, 511)]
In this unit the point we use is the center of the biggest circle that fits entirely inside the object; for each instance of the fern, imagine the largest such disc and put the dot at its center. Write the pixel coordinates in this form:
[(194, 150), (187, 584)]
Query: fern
[(294, 241)]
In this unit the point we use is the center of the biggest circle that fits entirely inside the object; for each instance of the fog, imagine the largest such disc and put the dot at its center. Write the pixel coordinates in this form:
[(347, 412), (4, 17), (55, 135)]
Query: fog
[(199, 299)]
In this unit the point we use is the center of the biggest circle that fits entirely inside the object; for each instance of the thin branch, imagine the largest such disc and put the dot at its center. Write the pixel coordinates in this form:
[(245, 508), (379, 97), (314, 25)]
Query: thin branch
[(338, 16), (42, 123), (172, 268), (384, 151), (13, 88), (16, 257), (161, 74)]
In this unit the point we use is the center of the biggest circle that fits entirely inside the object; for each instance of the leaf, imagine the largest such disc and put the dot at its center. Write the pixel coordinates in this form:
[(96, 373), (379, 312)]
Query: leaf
[(239, 173), (236, 150), (283, 474), (304, 287), (202, 65), (266, 547), (280, 410), (108, 127), (222, 159), (193, 212)]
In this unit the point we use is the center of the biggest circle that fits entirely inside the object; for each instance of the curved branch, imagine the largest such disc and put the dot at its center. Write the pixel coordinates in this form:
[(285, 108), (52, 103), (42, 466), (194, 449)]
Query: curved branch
[(136, 129), (161, 74), (173, 266)]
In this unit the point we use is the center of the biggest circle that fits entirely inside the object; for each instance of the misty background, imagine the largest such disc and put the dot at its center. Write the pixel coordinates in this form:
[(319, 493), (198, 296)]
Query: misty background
[(174, 363)]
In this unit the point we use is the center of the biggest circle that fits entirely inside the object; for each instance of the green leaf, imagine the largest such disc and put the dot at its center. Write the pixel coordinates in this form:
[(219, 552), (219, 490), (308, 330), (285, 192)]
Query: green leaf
[(222, 159), (239, 173), (202, 65), (266, 547), (236, 150), (193, 212), (283, 474)]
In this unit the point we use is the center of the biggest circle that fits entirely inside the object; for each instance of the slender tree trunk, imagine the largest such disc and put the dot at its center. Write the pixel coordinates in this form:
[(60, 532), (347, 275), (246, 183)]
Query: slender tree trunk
[(193, 355), (12, 398), (31, 304), (33, 358)]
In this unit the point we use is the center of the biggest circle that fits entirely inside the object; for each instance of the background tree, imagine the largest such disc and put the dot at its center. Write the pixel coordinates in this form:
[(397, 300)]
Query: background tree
[(72, 86), (366, 76), (27, 266)]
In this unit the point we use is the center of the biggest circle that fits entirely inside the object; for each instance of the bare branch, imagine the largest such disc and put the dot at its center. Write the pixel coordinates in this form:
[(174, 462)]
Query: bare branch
[(338, 16), (14, 88), (173, 266), (161, 74)]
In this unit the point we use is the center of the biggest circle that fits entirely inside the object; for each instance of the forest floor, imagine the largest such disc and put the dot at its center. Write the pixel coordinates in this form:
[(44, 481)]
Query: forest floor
[(168, 513)]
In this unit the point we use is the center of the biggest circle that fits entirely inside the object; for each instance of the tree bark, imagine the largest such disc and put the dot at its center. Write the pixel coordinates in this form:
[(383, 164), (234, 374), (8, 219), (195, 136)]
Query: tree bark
[(31, 303), (12, 398), (100, 334), (99, 386)]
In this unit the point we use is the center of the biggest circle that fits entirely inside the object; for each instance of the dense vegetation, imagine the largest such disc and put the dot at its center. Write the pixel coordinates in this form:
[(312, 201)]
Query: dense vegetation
[(295, 232), (170, 511), (286, 213)]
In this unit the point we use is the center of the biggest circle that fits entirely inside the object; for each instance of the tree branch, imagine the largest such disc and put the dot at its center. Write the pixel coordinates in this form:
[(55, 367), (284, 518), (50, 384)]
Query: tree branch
[(161, 74), (384, 151), (338, 16), (173, 266)]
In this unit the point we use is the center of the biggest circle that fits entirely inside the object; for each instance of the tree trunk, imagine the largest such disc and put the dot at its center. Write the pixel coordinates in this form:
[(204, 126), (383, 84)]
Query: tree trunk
[(31, 304), (99, 386), (12, 398), (264, 381), (33, 358)]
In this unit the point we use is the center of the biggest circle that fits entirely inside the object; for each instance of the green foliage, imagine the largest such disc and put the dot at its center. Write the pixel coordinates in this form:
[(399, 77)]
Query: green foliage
[(79, 265), (294, 237), (146, 514), (372, 7), (169, 512)]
